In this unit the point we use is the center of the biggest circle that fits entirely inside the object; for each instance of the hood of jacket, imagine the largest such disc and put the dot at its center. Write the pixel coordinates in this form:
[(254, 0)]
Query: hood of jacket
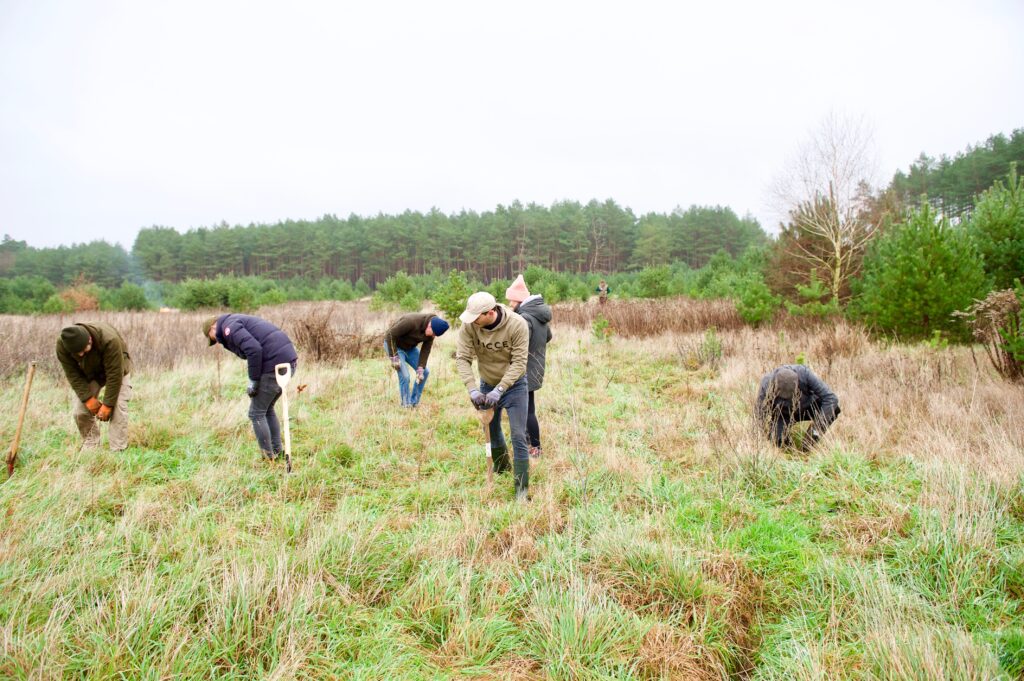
[(535, 307)]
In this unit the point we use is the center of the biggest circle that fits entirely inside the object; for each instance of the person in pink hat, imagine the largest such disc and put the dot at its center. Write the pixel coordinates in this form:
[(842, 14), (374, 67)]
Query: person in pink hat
[(537, 314)]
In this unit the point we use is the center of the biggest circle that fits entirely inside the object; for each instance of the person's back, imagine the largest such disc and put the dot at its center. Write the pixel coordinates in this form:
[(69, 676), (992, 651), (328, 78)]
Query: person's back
[(537, 314), (792, 393)]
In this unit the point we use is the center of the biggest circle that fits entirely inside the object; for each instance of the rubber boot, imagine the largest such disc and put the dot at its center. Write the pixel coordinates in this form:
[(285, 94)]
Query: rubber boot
[(521, 476), (500, 457)]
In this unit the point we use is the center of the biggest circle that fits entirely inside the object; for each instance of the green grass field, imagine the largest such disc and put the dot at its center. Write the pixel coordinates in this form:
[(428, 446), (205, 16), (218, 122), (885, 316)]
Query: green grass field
[(663, 540)]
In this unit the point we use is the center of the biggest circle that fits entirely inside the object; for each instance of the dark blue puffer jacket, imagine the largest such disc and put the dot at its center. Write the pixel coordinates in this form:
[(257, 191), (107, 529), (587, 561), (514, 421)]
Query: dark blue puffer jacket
[(256, 340)]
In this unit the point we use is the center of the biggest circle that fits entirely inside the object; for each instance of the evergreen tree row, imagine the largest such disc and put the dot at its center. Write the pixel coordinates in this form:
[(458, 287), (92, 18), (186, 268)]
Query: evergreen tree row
[(565, 237), (952, 184)]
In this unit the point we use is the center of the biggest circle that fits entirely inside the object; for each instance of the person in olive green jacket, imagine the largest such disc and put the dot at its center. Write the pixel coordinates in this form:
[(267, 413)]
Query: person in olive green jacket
[(499, 340), (94, 357)]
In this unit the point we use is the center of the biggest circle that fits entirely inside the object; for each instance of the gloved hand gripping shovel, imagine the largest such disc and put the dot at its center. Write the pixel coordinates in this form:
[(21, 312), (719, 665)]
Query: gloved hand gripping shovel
[(283, 374), (486, 415)]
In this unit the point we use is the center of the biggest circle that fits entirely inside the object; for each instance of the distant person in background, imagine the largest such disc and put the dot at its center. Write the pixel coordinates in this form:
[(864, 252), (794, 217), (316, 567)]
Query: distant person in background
[(95, 357), (263, 346), (537, 314), (602, 292), (790, 394), (407, 344)]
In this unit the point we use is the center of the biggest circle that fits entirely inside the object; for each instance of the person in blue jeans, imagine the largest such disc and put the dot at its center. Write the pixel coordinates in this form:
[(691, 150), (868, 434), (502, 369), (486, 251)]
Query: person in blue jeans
[(407, 343), (498, 340)]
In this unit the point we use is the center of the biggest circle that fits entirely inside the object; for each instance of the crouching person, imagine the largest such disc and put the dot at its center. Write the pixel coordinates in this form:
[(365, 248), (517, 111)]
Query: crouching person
[(95, 357), (263, 346), (498, 339), (792, 393)]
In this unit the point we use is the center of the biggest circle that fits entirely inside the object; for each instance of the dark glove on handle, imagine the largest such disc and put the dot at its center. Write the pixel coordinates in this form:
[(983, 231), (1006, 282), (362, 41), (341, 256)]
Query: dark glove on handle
[(476, 397), (254, 387)]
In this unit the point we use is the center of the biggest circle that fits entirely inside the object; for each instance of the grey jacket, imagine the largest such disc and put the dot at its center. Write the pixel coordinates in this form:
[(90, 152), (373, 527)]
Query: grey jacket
[(537, 314)]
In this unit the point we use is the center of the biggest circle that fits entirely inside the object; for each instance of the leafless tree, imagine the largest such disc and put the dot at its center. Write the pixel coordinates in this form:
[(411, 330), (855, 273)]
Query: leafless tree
[(825, 189)]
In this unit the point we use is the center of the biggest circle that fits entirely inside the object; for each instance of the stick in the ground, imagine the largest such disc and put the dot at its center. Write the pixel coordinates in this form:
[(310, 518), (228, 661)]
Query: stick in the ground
[(13, 454)]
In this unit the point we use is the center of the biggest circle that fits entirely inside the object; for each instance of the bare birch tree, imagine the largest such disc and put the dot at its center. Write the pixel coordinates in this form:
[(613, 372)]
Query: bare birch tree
[(825, 190)]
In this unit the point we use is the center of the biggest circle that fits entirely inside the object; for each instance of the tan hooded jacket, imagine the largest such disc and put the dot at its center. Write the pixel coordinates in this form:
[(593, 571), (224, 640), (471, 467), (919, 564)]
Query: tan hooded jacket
[(500, 354)]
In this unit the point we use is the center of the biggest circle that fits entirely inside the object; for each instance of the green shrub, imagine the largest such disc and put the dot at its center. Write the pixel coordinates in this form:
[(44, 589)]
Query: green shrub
[(398, 290), (450, 296), (652, 282), (997, 227), (755, 302), (916, 275), (818, 300), (129, 296)]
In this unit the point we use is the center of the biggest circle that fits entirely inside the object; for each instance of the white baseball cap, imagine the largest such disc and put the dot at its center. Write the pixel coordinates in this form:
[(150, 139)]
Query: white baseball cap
[(478, 303)]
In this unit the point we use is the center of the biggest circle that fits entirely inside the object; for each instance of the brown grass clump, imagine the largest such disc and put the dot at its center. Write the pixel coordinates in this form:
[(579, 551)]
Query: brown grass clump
[(324, 340), (641, 318), (989, 319)]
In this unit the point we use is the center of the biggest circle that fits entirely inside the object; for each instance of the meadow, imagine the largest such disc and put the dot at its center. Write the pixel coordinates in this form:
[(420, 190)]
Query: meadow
[(664, 539)]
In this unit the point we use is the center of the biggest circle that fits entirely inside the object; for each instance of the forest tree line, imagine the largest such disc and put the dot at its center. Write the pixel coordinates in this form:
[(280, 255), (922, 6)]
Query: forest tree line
[(565, 237)]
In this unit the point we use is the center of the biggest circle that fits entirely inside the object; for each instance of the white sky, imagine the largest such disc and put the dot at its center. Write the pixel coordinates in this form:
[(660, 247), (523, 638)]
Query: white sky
[(120, 115)]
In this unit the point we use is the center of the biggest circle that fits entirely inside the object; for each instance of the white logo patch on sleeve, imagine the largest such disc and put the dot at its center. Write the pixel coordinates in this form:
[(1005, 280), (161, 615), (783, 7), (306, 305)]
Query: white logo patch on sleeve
[(227, 331)]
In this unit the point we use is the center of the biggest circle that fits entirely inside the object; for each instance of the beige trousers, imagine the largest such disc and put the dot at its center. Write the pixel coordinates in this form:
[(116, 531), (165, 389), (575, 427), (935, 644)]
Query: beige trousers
[(89, 427)]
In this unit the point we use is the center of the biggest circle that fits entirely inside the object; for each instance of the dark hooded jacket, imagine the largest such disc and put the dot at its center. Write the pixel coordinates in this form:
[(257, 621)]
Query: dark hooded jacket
[(537, 314), (815, 395), (256, 340)]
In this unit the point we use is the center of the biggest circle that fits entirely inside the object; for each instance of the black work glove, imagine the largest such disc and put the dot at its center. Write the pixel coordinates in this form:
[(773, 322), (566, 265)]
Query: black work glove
[(254, 387)]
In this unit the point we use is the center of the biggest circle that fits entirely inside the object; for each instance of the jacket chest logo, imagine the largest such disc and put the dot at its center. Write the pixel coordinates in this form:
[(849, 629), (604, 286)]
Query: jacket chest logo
[(497, 345)]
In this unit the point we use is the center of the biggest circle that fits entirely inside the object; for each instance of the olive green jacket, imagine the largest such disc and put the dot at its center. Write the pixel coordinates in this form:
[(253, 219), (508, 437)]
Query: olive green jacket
[(500, 353), (107, 363)]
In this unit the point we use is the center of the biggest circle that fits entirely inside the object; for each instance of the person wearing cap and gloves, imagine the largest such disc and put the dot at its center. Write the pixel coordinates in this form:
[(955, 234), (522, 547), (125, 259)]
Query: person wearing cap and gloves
[(402, 345), (263, 346), (94, 356), (792, 393), (537, 314), (498, 339)]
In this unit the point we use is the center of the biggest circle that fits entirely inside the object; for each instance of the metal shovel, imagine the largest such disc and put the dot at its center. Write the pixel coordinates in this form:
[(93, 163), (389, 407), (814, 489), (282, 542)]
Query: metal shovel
[(283, 374), (486, 415)]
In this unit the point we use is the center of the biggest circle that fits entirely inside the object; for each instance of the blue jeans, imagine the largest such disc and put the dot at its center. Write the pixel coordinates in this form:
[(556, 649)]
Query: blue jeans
[(406, 359), (516, 402)]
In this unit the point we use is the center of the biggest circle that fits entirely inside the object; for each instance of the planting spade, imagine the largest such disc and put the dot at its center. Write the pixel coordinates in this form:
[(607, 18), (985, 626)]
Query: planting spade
[(486, 415), (283, 373)]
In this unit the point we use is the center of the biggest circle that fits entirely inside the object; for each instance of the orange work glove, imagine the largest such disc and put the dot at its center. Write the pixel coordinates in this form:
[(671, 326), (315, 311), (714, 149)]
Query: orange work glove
[(104, 413), (93, 405)]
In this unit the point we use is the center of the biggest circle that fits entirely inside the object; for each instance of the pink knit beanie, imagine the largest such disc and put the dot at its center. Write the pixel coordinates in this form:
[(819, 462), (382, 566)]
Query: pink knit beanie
[(517, 292)]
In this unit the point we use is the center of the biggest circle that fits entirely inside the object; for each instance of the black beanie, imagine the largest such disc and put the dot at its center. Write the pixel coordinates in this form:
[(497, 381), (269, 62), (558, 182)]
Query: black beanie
[(74, 338)]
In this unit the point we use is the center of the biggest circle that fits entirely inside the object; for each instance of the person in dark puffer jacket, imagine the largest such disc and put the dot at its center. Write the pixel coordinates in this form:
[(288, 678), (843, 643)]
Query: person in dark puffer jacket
[(792, 393), (537, 314), (263, 346)]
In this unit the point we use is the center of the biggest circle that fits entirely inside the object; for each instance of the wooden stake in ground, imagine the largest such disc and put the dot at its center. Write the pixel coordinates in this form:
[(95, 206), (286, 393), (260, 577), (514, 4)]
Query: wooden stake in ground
[(486, 415), (12, 455)]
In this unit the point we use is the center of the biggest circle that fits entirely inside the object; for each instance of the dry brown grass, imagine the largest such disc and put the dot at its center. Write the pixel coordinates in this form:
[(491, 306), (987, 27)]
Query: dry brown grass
[(334, 331), (643, 318)]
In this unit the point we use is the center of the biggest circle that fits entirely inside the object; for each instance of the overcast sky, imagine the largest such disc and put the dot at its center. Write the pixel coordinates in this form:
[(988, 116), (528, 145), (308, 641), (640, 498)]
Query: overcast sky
[(120, 115)]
